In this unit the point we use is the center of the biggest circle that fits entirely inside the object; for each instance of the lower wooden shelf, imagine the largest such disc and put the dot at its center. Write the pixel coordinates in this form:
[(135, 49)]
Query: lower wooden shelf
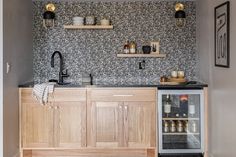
[(180, 118), (152, 55), (182, 133)]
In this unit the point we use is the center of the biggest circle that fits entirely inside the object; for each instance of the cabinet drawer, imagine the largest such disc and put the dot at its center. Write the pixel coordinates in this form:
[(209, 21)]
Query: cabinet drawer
[(124, 94), (60, 94)]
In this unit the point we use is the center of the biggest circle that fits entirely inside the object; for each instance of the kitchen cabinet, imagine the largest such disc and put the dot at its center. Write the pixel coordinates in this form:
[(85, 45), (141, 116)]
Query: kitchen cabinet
[(122, 118), (139, 124), (70, 125), (106, 124), (89, 122), (36, 125), (61, 123)]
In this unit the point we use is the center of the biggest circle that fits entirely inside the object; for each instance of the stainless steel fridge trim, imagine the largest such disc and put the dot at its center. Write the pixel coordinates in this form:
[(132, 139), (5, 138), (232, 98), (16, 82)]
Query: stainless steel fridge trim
[(159, 120)]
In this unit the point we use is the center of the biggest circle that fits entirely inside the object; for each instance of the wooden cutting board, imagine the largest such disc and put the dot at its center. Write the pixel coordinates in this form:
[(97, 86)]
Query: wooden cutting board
[(170, 83), (174, 81), (180, 80)]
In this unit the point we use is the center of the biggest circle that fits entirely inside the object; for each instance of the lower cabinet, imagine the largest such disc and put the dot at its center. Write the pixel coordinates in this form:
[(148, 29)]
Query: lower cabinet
[(139, 124), (70, 125), (89, 122), (61, 123), (122, 118), (106, 124), (36, 125)]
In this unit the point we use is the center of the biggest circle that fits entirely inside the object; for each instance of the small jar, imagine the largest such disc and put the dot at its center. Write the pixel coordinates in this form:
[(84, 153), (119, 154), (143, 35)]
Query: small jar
[(172, 126), (132, 47)]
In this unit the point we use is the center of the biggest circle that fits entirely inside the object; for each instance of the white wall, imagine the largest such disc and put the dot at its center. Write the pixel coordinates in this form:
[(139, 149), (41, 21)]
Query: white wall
[(17, 50), (222, 81)]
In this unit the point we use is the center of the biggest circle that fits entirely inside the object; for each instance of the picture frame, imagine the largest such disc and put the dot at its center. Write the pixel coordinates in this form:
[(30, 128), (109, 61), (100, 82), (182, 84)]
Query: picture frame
[(155, 45), (222, 35)]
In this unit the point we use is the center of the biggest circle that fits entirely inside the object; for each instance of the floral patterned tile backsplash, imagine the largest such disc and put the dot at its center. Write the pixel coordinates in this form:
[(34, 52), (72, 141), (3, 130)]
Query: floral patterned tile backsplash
[(94, 51)]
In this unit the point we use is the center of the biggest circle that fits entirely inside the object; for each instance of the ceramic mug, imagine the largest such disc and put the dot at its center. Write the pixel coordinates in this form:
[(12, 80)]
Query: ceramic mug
[(180, 74), (174, 74)]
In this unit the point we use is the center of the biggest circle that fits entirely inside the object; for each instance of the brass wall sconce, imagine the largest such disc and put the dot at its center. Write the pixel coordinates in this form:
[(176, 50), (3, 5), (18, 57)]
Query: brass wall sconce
[(180, 16), (49, 16)]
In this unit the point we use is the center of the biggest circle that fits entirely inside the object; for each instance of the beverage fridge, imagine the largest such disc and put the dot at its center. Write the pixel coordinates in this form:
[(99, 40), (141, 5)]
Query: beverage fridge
[(181, 122)]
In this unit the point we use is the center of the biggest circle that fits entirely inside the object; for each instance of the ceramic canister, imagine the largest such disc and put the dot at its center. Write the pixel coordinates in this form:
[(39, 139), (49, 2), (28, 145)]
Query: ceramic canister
[(90, 20), (105, 22)]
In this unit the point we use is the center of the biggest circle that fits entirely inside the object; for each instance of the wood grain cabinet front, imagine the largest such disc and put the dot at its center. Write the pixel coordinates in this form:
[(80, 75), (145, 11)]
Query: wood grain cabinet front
[(139, 124), (36, 125), (106, 124), (121, 118), (60, 123), (89, 122)]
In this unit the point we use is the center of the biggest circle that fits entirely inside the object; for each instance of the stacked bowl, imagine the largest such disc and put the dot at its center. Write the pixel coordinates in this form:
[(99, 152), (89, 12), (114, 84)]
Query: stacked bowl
[(78, 20), (90, 20)]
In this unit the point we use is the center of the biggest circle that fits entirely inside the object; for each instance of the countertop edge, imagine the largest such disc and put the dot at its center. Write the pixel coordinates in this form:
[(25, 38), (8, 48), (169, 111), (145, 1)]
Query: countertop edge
[(198, 85)]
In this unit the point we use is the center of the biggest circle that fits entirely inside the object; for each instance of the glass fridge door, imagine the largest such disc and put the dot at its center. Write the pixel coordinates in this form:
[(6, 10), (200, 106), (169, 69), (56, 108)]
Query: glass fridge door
[(181, 125)]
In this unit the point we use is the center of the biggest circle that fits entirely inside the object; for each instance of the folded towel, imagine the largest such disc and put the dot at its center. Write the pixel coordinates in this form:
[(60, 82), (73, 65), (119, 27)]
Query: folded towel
[(41, 92)]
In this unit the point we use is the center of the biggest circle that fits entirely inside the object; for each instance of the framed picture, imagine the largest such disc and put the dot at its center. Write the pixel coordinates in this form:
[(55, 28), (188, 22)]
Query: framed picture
[(222, 36), (155, 47)]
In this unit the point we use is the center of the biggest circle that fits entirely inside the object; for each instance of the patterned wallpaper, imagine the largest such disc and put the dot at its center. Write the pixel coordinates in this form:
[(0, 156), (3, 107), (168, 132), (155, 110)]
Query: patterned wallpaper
[(94, 51)]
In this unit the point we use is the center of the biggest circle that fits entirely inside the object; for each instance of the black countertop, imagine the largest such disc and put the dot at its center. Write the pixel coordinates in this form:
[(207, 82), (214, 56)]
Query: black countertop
[(195, 85)]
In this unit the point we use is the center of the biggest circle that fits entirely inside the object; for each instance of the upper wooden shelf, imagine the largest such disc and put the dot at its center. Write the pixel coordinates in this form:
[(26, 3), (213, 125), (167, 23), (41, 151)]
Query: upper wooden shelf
[(142, 55), (88, 27)]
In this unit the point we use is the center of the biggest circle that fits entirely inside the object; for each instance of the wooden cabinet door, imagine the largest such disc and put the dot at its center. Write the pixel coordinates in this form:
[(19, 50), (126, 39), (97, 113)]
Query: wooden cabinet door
[(139, 124), (70, 124), (106, 124), (36, 125)]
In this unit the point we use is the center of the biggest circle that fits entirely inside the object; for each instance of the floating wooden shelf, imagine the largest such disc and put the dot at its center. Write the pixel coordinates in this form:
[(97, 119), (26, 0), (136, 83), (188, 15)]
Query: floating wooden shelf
[(181, 133), (180, 118), (87, 27), (142, 55)]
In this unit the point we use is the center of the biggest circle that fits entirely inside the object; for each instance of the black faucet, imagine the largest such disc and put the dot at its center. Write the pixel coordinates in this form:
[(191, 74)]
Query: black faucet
[(61, 74), (91, 79)]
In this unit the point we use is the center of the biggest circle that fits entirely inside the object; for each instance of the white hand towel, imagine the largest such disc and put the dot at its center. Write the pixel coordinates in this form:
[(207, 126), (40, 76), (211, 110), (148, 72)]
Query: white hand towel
[(41, 92)]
